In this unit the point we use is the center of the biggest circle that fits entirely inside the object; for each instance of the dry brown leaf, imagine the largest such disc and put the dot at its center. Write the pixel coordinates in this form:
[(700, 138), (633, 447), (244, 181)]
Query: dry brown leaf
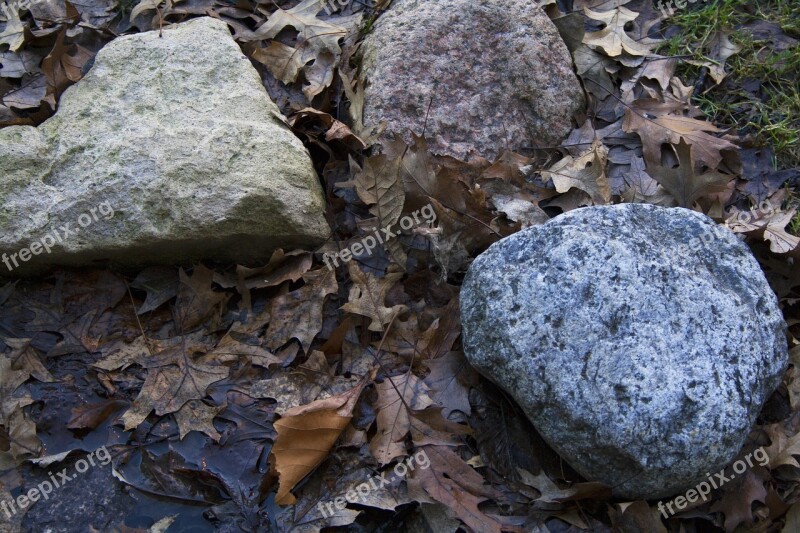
[(378, 185), (773, 229), (283, 62), (64, 65), (552, 493), (305, 436), (452, 482), (398, 396), (335, 130), (196, 301), (737, 500), (198, 416), (18, 439), (783, 448), (25, 359), (613, 39), (683, 183), (317, 51), (298, 314), (420, 178), (647, 119), (586, 173), (368, 295)]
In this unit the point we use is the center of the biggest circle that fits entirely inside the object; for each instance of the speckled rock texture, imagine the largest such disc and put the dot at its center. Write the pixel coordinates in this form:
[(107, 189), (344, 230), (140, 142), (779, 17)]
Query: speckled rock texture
[(179, 138), (644, 368), (494, 75)]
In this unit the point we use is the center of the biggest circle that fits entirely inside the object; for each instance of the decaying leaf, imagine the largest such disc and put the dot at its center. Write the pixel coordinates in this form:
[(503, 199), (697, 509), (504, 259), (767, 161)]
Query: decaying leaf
[(449, 382), (198, 416), (174, 377), (298, 314), (613, 39), (586, 173), (652, 121), (317, 52), (398, 396), (683, 183), (368, 295), (460, 490), (197, 301), (306, 434)]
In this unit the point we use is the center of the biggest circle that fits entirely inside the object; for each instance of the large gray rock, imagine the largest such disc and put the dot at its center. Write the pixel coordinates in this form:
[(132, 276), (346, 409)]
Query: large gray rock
[(641, 342), (487, 76), (176, 136)]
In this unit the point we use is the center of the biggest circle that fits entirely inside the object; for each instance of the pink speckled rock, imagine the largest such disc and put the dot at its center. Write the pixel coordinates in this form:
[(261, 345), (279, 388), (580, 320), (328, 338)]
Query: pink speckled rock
[(495, 74)]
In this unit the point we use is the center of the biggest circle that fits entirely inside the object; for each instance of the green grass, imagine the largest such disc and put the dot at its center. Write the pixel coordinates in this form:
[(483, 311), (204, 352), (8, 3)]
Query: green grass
[(774, 120)]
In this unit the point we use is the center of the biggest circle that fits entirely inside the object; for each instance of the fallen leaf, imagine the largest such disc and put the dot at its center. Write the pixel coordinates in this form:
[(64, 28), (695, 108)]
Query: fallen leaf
[(773, 229), (448, 382), (196, 415), (452, 482), (398, 396), (613, 39), (683, 183), (317, 48), (13, 33), (90, 416), (196, 301), (737, 500), (298, 314), (305, 436), (586, 173), (368, 295), (161, 285), (647, 119)]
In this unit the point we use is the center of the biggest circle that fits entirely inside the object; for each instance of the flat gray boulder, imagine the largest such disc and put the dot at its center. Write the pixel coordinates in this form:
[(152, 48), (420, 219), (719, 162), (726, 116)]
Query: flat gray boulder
[(169, 149), (477, 77), (641, 342)]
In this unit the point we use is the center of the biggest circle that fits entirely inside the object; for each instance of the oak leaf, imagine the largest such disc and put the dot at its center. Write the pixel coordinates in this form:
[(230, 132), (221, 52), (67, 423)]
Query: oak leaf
[(317, 51), (398, 397), (198, 416), (683, 183), (452, 482), (586, 173), (368, 295), (613, 39), (298, 314), (652, 121)]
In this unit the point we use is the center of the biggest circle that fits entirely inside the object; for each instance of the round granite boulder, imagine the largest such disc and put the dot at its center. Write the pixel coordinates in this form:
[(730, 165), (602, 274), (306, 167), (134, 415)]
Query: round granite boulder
[(641, 341), (477, 78)]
